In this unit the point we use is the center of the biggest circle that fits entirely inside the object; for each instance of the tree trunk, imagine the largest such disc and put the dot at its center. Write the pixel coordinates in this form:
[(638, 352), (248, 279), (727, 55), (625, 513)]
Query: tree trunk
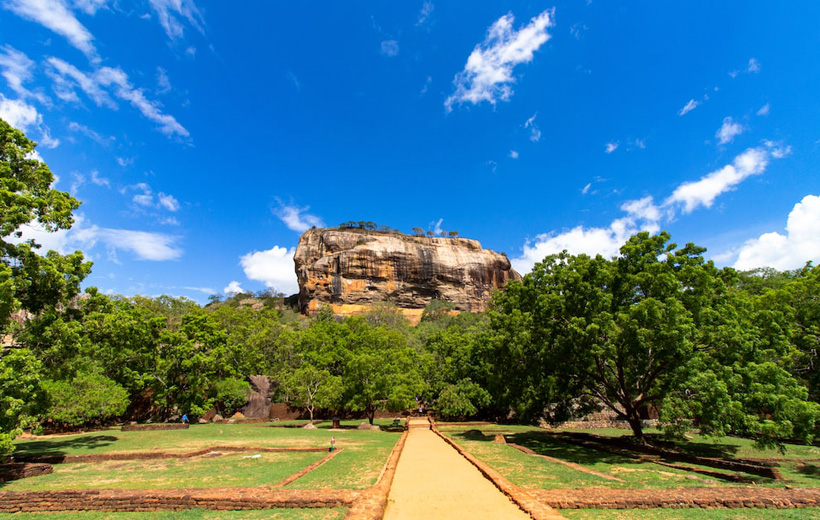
[(634, 419), (371, 414), (310, 410)]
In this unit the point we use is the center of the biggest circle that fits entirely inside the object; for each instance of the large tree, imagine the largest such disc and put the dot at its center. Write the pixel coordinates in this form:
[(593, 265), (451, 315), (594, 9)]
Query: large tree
[(649, 326), (29, 281)]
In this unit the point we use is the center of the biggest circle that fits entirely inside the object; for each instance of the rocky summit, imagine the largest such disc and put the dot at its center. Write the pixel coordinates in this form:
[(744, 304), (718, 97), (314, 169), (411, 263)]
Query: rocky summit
[(350, 269)]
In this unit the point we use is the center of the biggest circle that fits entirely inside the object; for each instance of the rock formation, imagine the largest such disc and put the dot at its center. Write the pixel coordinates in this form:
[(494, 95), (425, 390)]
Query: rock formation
[(350, 269)]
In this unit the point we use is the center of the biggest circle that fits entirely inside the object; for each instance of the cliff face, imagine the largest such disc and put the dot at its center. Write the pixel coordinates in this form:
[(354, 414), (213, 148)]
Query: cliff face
[(350, 269)]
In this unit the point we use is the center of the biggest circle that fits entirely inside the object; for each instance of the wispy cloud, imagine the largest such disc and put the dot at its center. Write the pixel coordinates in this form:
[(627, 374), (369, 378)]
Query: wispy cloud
[(163, 82), (57, 17), (764, 110), (426, 10), (17, 69), (728, 131), (91, 134), (611, 147), (513, 154), (296, 218), (105, 82), (487, 76), (144, 245), (273, 267), (535, 132), (691, 105), (172, 15), (800, 244), (145, 198), (753, 66), (390, 48)]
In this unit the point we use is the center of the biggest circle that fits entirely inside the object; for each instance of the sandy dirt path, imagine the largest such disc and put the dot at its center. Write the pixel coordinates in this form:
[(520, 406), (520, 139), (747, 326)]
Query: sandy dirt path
[(433, 481)]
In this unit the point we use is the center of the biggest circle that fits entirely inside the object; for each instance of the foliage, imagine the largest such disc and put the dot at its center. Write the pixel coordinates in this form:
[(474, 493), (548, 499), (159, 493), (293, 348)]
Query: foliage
[(462, 399), (645, 328), (84, 399), (231, 395), (312, 387), (21, 394)]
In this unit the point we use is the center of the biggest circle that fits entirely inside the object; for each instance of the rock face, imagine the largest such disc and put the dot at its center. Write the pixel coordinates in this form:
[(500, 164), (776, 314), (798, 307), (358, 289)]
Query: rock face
[(350, 269), (260, 399)]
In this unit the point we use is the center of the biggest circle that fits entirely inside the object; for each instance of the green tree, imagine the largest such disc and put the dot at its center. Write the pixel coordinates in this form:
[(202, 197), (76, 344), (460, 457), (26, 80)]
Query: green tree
[(381, 371), (86, 398), (462, 399), (22, 397), (30, 281), (311, 387)]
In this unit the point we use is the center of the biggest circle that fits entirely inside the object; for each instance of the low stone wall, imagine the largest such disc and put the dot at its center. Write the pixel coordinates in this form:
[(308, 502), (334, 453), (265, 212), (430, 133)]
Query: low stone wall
[(172, 500), (708, 498), (17, 470), (304, 471), (152, 427)]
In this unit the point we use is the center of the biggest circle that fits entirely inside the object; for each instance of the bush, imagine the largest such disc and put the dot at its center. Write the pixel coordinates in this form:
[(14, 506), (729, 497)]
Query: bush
[(86, 398), (462, 399)]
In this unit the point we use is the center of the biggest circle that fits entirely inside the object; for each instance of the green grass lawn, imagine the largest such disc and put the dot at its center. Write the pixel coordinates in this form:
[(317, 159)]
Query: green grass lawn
[(357, 467), (692, 514), (532, 472), (192, 514)]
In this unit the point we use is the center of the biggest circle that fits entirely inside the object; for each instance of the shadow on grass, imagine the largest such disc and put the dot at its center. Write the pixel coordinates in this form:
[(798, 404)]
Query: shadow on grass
[(700, 449), (809, 470), (55, 447)]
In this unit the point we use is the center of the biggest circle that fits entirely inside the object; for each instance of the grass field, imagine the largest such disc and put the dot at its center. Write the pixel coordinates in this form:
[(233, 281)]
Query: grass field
[(193, 514), (356, 467), (693, 514), (531, 472)]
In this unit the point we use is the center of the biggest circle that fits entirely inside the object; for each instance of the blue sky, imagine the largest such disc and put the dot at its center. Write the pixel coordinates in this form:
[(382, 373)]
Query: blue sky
[(203, 137)]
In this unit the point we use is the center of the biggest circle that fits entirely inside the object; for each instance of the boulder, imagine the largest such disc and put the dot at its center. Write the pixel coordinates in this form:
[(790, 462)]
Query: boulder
[(309, 426), (368, 426), (350, 269), (259, 400)]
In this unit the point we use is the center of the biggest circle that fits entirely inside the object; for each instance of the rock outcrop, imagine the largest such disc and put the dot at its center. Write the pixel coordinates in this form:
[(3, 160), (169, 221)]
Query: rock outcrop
[(351, 269)]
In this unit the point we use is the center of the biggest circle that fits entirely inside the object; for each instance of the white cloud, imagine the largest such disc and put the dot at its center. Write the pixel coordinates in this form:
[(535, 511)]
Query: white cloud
[(274, 268), (101, 84), (437, 226), (426, 10), (99, 181), (56, 16), (173, 13), (390, 48), (704, 191), (611, 147), (145, 245), (487, 76), (19, 114), (25, 117), (586, 188), (754, 66), (84, 236), (644, 215), (233, 288), (691, 105), (125, 161), (91, 134), (168, 202), (17, 70), (296, 219), (764, 110), (800, 244), (426, 85), (89, 6), (728, 131), (535, 133), (513, 154), (163, 83)]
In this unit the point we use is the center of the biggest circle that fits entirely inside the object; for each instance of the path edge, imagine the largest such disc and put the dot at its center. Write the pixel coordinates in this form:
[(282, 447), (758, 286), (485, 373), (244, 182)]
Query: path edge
[(523, 499), (372, 503)]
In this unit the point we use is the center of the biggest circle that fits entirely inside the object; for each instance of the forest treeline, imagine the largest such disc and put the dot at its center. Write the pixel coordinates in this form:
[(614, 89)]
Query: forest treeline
[(656, 329)]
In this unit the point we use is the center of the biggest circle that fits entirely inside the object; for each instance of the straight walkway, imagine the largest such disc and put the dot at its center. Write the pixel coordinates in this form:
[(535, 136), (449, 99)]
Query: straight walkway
[(433, 481)]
